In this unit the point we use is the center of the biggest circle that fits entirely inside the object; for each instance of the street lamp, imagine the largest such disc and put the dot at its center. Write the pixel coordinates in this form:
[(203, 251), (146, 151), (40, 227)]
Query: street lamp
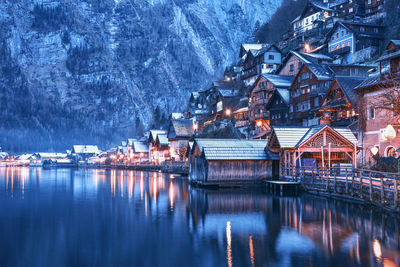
[(307, 48), (259, 123), (228, 112), (389, 132), (374, 150)]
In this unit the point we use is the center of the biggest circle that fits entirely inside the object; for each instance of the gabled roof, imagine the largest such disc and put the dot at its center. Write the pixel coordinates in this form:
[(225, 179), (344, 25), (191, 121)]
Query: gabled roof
[(348, 25), (162, 140), (283, 93), (130, 141), (294, 137), (279, 81), (228, 92), (140, 147), (244, 48), (180, 128), (321, 71), (371, 81), (86, 149), (395, 42), (348, 84), (234, 149), (390, 56), (316, 4), (153, 134)]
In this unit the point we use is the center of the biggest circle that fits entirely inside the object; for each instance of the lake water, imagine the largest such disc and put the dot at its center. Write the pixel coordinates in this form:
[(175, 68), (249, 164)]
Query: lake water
[(64, 217)]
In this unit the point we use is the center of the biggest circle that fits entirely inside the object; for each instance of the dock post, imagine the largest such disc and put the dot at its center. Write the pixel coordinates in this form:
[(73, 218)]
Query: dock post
[(312, 178), (361, 184), (371, 193), (382, 191), (327, 180), (347, 181), (396, 192), (334, 181), (352, 183)]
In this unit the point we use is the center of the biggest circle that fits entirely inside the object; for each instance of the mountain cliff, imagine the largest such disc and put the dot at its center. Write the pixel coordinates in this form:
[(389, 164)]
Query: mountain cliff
[(91, 71)]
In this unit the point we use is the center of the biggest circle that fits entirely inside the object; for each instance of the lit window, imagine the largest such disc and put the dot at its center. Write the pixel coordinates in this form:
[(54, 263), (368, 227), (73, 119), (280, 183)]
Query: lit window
[(371, 113), (332, 48), (337, 47), (343, 45), (348, 43)]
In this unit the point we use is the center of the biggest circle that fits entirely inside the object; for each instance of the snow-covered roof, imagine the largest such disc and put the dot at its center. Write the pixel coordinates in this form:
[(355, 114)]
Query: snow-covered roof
[(162, 138), (86, 149), (228, 92), (140, 147), (285, 94), (293, 137), (245, 109), (181, 128), (177, 115), (234, 149), (130, 141), (46, 155), (321, 71), (25, 156), (280, 81)]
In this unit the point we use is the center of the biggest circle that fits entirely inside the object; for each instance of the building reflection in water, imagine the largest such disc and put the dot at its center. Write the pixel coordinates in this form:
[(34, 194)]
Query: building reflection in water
[(232, 226)]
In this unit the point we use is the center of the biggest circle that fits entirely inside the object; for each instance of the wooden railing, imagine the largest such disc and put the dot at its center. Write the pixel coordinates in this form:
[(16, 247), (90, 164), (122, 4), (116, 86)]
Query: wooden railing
[(379, 188)]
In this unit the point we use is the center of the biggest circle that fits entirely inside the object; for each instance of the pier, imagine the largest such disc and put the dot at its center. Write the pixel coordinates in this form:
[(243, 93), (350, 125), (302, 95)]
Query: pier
[(371, 187)]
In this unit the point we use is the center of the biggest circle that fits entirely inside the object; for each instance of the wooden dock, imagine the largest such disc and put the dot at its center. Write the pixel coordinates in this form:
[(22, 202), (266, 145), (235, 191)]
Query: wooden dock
[(283, 186), (371, 187)]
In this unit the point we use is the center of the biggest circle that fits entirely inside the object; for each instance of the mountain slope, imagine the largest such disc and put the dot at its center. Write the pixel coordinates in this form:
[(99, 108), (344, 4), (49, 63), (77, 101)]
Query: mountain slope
[(87, 71)]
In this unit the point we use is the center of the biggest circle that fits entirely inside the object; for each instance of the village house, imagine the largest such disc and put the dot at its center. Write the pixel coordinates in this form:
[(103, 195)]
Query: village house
[(314, 15), (140, 151), (294, 60), (231, 161), (312, 147), (380, 125), (259, 95), (180, 131), (83, 152), (349, 9), (261, 61), (241, 116), (278, 107), (161, 149), (197, 108), (352, 42), (374, 9), (151, 139), (307, 91), (339, 106)]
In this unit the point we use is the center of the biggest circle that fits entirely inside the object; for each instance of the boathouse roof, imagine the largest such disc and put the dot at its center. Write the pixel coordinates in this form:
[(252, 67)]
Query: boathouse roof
[(85, 149), (293, 137), (234, 149)]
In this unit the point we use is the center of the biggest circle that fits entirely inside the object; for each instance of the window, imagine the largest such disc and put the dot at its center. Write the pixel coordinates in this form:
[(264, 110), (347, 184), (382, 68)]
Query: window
[(291, 67), (332, 48), (333, 38), (376, 30), (291, 108), (348, 43), (342, 33), (343, 45), (316, 102), (369, 2), (371, 113), (337, 47), (351, 10), (337, 35), (362, 29), (390, 152), (308, 89), (271, 57)]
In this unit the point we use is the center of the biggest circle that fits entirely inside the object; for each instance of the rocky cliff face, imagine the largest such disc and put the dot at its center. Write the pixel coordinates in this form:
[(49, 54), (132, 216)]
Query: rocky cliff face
[(86, 71)]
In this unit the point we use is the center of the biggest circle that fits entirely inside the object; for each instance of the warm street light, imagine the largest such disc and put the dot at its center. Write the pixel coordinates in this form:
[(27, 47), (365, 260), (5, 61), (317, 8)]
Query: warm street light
[(389, 132), (374, 150), (307, 48), (195, 126), (377, 249), (259, 123), (228, 112)]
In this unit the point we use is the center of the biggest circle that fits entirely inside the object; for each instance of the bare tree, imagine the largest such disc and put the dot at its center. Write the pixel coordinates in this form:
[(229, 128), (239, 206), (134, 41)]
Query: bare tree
[(390, 99)]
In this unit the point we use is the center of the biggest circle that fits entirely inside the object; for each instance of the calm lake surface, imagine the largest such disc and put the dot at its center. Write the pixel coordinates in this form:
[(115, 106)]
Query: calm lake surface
[(64, 217)]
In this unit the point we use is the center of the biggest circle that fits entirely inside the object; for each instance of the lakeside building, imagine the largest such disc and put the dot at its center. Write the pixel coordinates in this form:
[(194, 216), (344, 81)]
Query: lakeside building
[(161, 149), (151, 139), (317, 146), (140, 151), (378, 95), (180, 131), (230, 161), (83, 152)]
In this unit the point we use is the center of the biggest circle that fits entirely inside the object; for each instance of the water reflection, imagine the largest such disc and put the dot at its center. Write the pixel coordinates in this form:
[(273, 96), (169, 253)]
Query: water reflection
[(119, 217)]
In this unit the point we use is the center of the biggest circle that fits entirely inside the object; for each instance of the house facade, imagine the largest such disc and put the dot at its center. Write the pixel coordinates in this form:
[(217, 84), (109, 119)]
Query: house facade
[(262, 61), (307, 91), (278, 107), (180, 131), (347, 38), (381, 126)]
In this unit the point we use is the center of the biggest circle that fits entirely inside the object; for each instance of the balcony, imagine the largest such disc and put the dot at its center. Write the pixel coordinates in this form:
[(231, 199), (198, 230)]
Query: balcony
[(340, 51)]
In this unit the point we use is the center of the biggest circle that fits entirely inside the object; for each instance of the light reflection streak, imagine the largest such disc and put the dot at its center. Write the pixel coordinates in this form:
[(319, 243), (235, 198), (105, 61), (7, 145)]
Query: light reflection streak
[(121, 183), (141, 186), (228, 243), (251, 250), (171, 195)]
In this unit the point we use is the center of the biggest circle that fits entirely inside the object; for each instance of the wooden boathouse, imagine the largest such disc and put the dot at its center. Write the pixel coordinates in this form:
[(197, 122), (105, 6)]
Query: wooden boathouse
[(312, 147), (231, 162)]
